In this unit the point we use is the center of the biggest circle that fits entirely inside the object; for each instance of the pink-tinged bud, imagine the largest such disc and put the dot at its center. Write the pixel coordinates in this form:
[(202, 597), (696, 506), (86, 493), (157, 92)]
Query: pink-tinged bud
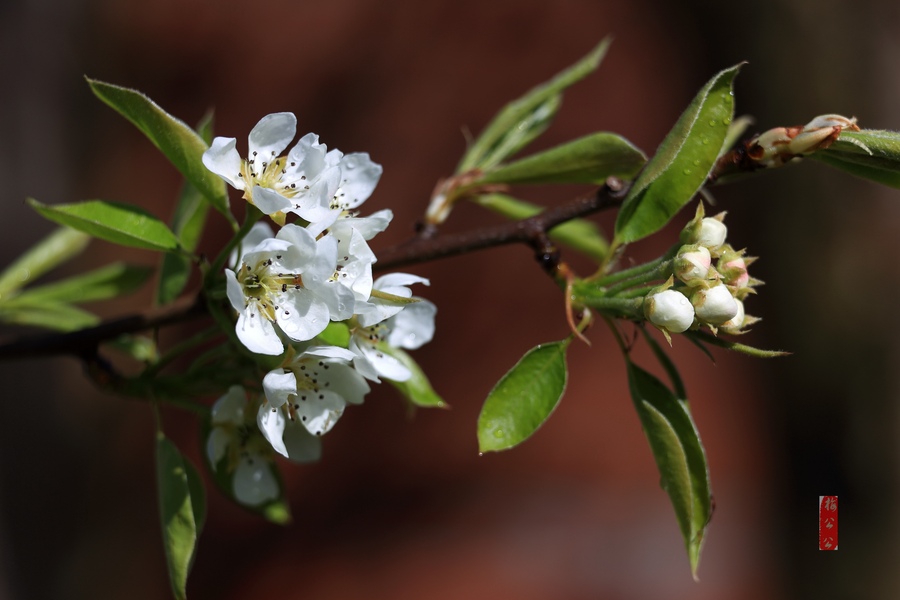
[(734, 272), (669, 310), (714, 305), (692, 264), (820, 133)]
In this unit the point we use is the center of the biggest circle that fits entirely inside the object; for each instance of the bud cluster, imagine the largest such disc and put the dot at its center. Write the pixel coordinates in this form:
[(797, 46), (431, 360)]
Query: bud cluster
[(780, 145), (708, 284)]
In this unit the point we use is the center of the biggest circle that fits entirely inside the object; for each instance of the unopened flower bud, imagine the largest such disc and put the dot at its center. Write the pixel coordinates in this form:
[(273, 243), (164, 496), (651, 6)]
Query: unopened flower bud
[(669, 310), (714, 305), (712, 232), (692, 264), (735, 323), (733, 269)]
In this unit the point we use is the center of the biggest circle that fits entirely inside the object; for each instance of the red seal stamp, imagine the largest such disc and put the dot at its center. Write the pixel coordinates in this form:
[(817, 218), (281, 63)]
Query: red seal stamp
[(828, 522)]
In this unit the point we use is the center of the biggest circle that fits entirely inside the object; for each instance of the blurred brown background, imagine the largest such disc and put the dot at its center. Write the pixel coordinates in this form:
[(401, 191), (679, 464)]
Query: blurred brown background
[(405, 508)]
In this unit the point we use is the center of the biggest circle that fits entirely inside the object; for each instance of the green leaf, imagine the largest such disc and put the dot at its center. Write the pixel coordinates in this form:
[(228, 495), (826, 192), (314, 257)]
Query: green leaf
[(682, 163), (520, 121), (666, 362), (580, 234), (679, 456), (60, 246), (49, 315), (117, 223), (187, 225), (139, 347), (181, 509), (880, 164), (524, 398), (178, 142), (417, 389), (590, 159), (106, 282)]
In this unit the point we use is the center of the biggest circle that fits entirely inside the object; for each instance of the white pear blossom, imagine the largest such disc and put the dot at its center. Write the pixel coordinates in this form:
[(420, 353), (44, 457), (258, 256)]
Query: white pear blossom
[(287, 281), (309, 393), (249, 459), (315, 184), (410, 328)]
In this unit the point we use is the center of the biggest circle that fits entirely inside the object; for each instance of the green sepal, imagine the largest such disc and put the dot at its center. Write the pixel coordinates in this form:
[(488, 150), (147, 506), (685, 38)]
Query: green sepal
[(712, 340), (590, 159), (121, 224), (62, 245), (178, 142), (522, 120), (417, 389), (679, 456), (681, 164), (182, 509), (524, 398)]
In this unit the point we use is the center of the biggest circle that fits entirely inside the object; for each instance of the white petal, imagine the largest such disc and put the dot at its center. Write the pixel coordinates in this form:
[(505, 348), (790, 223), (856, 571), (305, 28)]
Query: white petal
[(257, 333), (372, 225), (330, 352), (398, 279), (303, 244), (216, 444), (269, 201), (301, 315), (308, 156), (259, 232), (413, 326), (359, 176), (340, 300), (375, 311), (234, 291), (279, 385), (323, 264), (222, 159), (302, 447), (270, 136), (271, 423), (319, 411), (253, 482), (385, 365), (230, 407), (314, 205), (346, 382)]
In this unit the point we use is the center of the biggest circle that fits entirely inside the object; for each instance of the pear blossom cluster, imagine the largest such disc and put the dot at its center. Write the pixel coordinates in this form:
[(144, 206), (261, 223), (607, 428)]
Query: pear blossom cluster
[(708, 284), (289, 286)]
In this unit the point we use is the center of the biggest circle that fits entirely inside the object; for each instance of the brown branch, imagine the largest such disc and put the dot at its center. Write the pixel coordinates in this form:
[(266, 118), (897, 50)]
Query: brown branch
[(85, 341), (531, 231), (526, 230)]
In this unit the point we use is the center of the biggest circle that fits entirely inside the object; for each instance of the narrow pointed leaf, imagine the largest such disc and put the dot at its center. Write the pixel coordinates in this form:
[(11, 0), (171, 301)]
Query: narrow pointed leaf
[(531, 112), (48, 315), (417, 389), (880, 164), (704, 337), (178, 142), (524, 398), (181, 513), (679, 456), (580, 234), (117, 223), (60, 246), (682, 162), (590, 159), (106, 282)]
